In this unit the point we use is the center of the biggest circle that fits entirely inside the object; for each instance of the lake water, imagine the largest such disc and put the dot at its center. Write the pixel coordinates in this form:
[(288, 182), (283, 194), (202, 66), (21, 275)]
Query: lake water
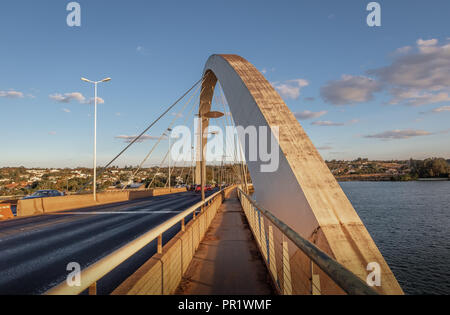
[(410, 223)]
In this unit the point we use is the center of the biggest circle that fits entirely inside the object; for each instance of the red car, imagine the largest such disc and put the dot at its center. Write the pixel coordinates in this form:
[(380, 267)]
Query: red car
[(198, 188)]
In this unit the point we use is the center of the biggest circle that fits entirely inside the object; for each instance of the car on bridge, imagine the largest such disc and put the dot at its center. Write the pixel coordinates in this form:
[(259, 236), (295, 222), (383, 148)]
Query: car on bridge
[(198, 188), (44, 194)]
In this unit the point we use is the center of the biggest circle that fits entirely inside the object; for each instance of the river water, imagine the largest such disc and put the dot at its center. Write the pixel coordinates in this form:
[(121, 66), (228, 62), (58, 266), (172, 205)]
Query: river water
[(410, 223)]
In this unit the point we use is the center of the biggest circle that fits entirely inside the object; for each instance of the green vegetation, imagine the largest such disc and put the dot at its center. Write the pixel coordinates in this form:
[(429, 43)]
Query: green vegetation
[(20, 181), (364, 169)]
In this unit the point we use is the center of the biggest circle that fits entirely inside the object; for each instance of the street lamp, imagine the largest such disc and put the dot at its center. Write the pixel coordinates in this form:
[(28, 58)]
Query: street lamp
[(170, 135), (95, 130)]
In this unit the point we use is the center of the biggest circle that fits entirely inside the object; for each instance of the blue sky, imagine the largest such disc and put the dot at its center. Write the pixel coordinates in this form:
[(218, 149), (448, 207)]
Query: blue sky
[(380, 92)]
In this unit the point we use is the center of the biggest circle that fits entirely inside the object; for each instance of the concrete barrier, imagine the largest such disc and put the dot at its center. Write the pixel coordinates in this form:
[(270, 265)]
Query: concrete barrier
[(162, 274), (55, 204), (6, 212)]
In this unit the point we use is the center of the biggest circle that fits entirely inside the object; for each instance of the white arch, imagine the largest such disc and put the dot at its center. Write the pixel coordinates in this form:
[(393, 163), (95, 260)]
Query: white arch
[(303, 192)]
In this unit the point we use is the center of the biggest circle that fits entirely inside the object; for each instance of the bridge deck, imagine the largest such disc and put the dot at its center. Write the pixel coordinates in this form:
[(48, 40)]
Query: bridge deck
[(227, 261)]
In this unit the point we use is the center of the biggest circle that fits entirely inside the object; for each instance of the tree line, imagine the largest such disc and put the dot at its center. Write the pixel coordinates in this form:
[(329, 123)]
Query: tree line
[(430, 168)]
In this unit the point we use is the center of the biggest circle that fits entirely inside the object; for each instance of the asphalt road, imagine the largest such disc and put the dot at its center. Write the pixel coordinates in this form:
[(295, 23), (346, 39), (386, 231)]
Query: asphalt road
[(35, 251)]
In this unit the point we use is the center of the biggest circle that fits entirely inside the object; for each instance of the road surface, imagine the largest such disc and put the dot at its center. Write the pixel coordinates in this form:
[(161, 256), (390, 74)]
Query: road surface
[(35, 251)]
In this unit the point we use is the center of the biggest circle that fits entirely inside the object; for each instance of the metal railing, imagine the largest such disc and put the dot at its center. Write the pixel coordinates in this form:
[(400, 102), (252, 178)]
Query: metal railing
[(92, 274), (296, 265)]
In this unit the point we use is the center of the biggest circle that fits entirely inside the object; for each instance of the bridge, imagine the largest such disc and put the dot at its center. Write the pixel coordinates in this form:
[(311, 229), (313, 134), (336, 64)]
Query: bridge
[(286, 230)]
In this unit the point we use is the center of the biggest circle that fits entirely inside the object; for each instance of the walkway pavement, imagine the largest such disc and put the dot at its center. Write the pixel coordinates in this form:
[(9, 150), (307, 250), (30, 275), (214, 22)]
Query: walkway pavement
[(227, 261)]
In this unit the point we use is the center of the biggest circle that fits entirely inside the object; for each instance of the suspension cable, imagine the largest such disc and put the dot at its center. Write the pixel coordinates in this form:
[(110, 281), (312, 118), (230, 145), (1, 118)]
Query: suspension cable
[(163, 134)]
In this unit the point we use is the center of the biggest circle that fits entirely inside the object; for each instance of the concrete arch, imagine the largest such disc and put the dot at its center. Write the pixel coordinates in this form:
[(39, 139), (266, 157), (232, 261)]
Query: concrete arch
[(303, 192)]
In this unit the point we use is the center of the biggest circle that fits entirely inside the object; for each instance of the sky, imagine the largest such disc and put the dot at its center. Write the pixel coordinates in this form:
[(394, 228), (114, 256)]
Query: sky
[(358, 91)]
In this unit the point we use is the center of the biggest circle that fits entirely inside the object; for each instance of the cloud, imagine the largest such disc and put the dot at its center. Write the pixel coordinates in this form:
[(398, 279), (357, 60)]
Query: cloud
[(65, 110), (11, 94), (437, 110), (418, 78), (99, 101), (399, 134), (68, 97), (309, 114), (52, 133), (403, 50), (349, 90), (417, 98), (441, 109), (74, 96), (328, 123), (265, 70), (129, 139), (141, 50), (290, 89), (324, 148)]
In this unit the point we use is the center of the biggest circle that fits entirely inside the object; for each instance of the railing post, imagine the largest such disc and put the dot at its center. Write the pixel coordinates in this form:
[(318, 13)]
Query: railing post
[(263, 240), (287, 284), (315, 281), (272, 262), (93, 289), (160, 244)]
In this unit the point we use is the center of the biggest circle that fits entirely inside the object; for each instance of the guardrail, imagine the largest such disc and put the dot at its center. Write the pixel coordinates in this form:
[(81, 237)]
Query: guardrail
[(92, 274), (296, 265)]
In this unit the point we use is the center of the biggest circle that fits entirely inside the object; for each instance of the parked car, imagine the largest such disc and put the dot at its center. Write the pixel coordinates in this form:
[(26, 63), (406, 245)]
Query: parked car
[(44, 194)]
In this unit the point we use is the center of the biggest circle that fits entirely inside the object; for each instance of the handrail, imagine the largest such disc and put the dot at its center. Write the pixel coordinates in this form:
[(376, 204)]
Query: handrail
[(99, 269), (343, 277)]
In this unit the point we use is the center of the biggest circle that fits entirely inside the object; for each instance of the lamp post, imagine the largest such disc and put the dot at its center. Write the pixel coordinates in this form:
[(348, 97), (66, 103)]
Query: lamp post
[(95, 131), (170, 153)]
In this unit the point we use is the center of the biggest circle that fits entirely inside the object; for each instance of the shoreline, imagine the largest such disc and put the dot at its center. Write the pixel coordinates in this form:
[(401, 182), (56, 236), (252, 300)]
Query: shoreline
[(369, 178)]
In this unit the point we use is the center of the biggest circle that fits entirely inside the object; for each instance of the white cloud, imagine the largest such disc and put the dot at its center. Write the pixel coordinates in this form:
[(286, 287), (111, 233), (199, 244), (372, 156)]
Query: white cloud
[(129, 139), (74, 96), (437, 110), (99, 100), (290, 89), (441, 109), (403, 50), (309, 114), (399, 134), (68, 97), (66, 110), (350, 90), (52, 133), (324, 148), (418, 78), (415, 97), (327, 123), (11, 94), (141, 50)]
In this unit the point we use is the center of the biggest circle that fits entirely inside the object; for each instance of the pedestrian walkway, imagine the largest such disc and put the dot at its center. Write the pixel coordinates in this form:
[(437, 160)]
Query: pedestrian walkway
[(227, 260)]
